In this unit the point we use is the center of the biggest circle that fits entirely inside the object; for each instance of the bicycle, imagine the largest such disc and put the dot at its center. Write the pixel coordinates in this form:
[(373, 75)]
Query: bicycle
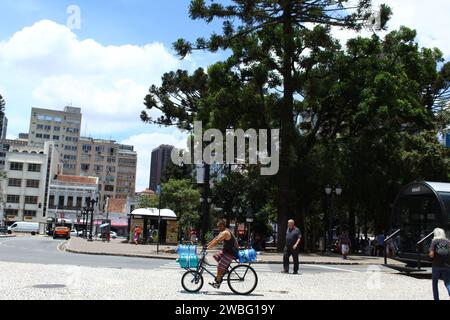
[(242, 278)]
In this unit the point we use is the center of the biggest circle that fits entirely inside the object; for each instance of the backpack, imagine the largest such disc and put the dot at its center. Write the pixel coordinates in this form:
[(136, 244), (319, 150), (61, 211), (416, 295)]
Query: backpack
[(443, 248)]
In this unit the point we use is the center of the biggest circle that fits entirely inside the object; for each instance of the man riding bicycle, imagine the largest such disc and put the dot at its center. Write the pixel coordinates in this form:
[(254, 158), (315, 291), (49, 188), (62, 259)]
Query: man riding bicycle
[(229, 253)]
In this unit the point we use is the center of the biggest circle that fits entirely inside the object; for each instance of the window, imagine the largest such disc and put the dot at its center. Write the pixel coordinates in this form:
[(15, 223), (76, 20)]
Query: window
[(46, 136), (57, 119), (12, 212), (31, 200), (14, 183), (61, 201), (47, 128), (40, 127), (109, 188), (55, 137), (99, 149), (85, 167), (39, 135), (30, 213), (34, 167), (33, 184), (98, 168), (69, 157), (111, 169), (57, 128), (12, 198), (99, 158), (52, 200), (87, 148), (44, 118), (111, 159), (72, 130), (16, 166)]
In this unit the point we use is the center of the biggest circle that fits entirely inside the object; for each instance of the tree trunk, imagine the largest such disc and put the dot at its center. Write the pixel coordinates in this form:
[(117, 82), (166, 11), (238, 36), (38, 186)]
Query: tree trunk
[(285, 198)]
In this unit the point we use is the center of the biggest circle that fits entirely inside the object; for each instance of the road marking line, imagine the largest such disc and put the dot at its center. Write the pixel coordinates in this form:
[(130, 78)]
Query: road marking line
[(332, 268)]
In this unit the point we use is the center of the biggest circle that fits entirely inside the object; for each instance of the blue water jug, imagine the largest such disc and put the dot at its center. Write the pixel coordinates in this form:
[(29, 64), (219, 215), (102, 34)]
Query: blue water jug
[(186, 249), (188, 261), (246, 256)]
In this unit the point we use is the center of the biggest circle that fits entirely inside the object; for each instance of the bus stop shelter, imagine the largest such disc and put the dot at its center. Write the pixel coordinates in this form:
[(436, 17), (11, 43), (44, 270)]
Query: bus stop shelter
[(147, 219)]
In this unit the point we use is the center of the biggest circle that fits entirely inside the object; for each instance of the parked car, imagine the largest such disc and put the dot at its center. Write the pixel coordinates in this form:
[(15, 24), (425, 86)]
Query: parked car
[(28, 227), (61, 232), (112, 234)]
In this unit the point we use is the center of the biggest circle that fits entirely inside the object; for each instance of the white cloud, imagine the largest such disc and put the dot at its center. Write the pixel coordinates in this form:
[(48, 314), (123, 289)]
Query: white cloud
[(144, 145), (429, 18), (108, 82)]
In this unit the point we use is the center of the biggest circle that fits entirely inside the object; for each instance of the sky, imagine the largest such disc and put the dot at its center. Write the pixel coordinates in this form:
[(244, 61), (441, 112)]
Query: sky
[(106, 63)]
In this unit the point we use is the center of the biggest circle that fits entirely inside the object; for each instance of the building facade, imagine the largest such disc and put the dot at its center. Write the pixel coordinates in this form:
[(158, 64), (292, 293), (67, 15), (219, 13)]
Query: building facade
[(28, 174), (61, 127), (114, 164), (160, 157), (68, 195)]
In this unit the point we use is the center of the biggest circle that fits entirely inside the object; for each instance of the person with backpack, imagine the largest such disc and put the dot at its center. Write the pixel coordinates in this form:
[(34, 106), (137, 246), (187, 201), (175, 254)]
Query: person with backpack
[(440, 253)]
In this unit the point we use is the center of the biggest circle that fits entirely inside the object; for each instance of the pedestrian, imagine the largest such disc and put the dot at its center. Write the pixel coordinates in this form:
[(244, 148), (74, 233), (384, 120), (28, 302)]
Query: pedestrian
[(345, 244), (137, 234), (379, 251), (292, 248), (440, 253)]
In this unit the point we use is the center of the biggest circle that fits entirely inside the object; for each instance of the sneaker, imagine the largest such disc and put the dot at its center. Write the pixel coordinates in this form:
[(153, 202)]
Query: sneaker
[(296, 272), (285, 272), (215, 285)]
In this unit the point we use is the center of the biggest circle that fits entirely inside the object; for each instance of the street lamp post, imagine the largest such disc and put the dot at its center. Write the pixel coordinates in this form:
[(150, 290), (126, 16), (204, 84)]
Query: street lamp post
[(92, 202), (330, 192), (249, 218), (159, 193)]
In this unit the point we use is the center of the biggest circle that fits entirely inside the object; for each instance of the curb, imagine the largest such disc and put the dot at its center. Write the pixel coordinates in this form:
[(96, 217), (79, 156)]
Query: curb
[(174, 258)]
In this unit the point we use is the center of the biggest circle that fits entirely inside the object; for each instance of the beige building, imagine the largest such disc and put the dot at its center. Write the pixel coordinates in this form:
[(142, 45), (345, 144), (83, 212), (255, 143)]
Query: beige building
[(61, 127), (114, 165)]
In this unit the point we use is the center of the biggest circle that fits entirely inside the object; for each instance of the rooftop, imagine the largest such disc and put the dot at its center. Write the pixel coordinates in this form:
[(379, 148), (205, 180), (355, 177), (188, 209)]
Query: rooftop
[(77, 179)]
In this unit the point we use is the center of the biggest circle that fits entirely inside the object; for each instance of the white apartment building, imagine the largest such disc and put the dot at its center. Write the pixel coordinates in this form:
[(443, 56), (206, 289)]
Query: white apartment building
[(28, 174)]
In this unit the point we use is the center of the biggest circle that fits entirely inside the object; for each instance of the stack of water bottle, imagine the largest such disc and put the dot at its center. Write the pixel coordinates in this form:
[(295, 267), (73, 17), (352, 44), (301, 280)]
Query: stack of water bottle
[(188, 258)]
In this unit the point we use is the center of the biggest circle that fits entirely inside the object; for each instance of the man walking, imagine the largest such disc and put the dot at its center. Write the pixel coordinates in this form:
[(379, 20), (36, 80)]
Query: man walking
[(293, 238)]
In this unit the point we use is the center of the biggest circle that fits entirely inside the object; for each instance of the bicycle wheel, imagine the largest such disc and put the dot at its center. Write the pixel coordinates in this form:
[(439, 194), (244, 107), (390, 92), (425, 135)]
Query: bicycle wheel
[(192, 281), (242, 280)]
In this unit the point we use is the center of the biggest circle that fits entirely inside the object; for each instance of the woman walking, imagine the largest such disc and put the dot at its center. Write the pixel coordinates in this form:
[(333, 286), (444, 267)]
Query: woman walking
[(440, 253)]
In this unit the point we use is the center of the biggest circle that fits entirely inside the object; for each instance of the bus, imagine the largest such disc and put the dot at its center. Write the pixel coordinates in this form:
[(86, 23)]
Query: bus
[(419, 208)]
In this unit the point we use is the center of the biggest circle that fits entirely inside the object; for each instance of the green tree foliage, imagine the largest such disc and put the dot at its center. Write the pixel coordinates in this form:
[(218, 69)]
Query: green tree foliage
[(180, 197)]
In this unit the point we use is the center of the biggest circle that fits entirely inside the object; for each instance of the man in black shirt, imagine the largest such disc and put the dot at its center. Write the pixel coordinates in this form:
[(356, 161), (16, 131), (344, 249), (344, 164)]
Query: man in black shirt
[(293, 238)]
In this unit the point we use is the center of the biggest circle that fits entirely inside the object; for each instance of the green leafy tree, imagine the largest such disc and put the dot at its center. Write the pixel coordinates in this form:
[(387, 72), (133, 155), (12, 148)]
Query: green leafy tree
[(269, 39), (180, 197)]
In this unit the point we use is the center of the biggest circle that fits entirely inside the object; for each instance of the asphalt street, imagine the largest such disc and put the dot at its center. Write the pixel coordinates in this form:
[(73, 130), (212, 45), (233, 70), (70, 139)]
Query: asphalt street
[(41, 250), (34, 268)]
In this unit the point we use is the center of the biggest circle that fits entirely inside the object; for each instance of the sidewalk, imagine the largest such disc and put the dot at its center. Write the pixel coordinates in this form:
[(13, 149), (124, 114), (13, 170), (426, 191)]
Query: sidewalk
[(117, 248)]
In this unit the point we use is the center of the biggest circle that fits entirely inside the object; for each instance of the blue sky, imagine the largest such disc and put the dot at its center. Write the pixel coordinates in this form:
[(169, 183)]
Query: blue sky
[(123, 47)]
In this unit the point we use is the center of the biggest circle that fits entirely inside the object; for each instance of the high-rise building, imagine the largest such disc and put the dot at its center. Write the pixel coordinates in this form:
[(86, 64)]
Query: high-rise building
[(160, 157), (114, 165), (62, 127)]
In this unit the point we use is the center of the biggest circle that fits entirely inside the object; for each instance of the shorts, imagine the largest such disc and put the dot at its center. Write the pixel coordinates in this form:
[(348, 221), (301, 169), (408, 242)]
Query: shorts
[(345, 249), (224, 260)]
